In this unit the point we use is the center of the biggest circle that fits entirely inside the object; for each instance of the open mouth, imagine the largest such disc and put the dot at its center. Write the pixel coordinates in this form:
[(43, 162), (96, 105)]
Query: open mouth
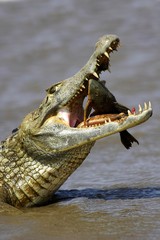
[(93, 104), (83, 101), (75, 113), (73, 116)]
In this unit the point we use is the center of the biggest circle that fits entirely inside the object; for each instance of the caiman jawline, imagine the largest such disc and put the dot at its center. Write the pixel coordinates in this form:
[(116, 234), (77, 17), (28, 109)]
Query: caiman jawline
[(72, 114), (102, 64), (98, 62), (99, 120)]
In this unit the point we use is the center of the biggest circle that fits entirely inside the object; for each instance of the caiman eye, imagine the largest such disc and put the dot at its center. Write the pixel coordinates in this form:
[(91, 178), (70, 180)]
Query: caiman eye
[(54, 88)]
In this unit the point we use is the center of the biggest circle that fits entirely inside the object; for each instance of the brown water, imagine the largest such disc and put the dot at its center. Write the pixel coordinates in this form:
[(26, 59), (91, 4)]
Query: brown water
[(115, 194)]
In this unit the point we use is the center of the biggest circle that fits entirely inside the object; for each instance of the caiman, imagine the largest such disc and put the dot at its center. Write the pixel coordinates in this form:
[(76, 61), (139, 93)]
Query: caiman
[(52, 141)]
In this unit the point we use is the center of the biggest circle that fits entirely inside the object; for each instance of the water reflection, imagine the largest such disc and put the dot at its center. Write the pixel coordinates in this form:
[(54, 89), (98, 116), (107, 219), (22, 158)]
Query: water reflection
[(111, 194)]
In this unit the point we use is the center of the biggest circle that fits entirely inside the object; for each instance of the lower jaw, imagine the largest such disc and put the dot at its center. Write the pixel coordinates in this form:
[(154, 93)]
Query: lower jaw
[(98, 120)]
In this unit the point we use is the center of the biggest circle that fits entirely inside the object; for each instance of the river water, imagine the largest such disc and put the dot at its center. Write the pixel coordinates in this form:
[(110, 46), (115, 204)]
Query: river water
[(115, 194)]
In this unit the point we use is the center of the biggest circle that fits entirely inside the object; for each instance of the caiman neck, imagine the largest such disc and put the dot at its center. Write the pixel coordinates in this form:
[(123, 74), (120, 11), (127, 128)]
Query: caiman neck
[(30, 180)]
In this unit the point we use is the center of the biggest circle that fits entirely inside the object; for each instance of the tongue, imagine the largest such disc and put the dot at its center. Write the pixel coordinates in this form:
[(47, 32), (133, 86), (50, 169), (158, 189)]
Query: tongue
[(65, 115), (71, 119)]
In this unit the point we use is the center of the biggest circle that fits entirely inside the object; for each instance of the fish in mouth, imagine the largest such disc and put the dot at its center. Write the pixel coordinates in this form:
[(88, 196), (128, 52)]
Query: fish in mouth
[(106, 109), (75, 114)]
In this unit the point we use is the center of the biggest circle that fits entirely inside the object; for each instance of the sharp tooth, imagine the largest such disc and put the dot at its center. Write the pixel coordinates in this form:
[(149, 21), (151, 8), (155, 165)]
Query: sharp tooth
[(83, 86), (145, 106), (105, 121), (109, 120), (150, 105), (111, 48), (129, 113), (106, 54), (95, 74), (86, 79), (140, 108), (98, 64)]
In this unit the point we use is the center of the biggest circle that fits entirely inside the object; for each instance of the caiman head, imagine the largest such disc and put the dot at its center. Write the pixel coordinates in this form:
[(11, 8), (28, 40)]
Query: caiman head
[(59, 124)]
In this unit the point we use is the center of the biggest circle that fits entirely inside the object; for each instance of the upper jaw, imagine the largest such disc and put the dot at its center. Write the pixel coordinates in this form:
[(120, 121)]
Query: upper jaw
[(61, 114), (70, 93), (65, 93)]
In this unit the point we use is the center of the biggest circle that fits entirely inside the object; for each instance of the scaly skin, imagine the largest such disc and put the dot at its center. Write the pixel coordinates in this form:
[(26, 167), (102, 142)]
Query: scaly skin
[(53, 141)]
